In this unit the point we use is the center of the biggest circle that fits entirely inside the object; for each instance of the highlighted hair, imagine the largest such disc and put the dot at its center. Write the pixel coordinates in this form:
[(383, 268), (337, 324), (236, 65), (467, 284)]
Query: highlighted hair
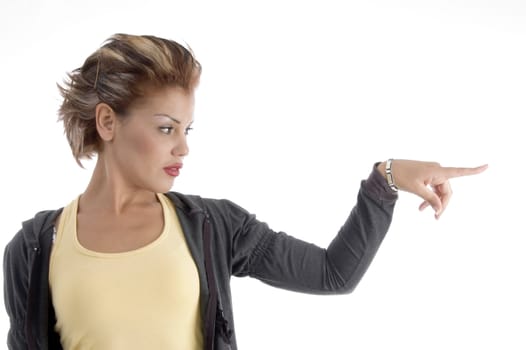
[(117, 74)]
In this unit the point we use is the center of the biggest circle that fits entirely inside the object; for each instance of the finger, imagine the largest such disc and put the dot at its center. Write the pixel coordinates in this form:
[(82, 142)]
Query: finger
[(424, 205), (430, 197), (444, 192), (451, 172)]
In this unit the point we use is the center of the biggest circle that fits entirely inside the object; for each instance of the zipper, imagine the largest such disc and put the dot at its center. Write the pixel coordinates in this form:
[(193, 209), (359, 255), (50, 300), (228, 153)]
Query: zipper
[(210, 279), (31, 341)]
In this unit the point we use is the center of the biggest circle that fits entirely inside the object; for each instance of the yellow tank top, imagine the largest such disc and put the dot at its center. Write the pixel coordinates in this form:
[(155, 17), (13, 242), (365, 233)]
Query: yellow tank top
[(147, 298)]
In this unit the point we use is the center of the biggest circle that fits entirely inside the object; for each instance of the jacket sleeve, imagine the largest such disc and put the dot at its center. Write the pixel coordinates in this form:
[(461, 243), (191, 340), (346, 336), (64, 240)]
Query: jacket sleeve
[(286, 262), (16, 284)]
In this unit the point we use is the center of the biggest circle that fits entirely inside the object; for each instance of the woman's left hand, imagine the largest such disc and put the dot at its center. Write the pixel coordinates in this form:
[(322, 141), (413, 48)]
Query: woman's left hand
[(428, 180)]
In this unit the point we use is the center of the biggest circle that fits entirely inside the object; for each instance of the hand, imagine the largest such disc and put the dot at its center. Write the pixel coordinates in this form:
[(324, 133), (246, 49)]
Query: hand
[(428, 180)]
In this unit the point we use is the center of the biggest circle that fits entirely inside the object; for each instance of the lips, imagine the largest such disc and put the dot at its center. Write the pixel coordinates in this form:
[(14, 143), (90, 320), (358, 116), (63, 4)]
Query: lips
[(173, 170)]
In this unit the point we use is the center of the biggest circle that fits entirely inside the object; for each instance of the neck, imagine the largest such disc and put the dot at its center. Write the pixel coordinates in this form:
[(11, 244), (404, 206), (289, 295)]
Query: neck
[(108, 190)]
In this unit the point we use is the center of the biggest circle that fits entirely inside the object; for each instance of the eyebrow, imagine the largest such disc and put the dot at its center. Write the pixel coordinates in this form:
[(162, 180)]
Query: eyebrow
[(167, 116)]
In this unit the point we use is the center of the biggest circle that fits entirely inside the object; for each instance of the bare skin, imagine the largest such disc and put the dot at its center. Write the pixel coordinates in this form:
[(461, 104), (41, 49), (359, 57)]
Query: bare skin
[(428, 180), (137, 226), (119, 210)]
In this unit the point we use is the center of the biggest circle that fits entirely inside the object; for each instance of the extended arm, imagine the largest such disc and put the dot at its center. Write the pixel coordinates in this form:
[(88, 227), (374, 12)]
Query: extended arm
[(287, 262)]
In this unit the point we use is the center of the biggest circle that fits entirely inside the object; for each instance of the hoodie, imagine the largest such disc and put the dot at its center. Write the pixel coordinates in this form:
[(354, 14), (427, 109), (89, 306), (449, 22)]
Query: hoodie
[(225, 240)]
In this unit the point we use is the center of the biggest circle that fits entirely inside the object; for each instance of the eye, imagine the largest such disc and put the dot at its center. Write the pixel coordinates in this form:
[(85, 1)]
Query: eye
[(166, 129), (187, 130)]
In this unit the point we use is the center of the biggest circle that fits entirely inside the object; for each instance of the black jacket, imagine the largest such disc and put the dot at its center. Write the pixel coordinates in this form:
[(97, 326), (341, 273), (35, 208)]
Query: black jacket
[(224, 240)]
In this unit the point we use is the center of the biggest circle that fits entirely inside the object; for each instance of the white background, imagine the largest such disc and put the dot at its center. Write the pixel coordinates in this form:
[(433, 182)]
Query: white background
[(297, 100)]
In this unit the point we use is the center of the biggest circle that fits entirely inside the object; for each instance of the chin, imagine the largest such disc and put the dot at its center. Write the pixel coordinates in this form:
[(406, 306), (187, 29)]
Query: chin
[(163, 188), (159, 187), (161, 183)]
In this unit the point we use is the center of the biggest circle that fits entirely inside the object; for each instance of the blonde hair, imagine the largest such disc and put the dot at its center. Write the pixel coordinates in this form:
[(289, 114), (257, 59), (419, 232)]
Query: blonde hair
[(117, 74)]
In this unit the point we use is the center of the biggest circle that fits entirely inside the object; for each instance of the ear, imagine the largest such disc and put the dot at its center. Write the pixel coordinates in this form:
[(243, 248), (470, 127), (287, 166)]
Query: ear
[(106, 121)]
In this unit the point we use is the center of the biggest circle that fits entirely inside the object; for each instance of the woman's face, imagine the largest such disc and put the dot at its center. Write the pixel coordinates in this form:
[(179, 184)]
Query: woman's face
[(149, 143)]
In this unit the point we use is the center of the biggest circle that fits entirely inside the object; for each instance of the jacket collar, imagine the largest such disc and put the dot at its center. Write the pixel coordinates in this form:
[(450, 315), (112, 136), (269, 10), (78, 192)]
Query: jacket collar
[(188, 204)]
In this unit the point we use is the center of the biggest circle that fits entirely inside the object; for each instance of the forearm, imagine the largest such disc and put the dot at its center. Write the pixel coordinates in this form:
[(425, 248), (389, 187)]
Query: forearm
[(352, 250), (300, 266)]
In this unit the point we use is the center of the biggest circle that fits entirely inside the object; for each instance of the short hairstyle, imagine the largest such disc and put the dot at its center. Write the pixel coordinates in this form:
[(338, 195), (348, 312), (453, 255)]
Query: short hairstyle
[(117, 74)]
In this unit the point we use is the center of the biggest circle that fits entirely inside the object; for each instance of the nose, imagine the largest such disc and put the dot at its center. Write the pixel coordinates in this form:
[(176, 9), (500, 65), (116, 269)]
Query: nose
[(180, 148)]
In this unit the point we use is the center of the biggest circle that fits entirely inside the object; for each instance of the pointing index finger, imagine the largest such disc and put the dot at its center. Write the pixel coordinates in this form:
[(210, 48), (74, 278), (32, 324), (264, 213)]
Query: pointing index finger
[(451, 172)]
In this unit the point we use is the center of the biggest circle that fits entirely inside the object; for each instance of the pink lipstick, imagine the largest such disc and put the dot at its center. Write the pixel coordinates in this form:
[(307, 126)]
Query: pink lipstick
[(173, 170)]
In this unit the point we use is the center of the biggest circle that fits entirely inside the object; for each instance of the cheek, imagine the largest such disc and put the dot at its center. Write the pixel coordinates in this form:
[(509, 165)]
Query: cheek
[(142, 145)]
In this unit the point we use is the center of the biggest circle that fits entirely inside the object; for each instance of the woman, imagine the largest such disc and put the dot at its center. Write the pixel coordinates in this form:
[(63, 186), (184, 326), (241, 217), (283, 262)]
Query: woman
[(129, 264)]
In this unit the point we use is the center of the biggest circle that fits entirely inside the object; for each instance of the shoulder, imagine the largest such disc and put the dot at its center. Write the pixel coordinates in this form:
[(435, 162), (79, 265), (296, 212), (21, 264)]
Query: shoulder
[(210, 206), (33, 229)]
